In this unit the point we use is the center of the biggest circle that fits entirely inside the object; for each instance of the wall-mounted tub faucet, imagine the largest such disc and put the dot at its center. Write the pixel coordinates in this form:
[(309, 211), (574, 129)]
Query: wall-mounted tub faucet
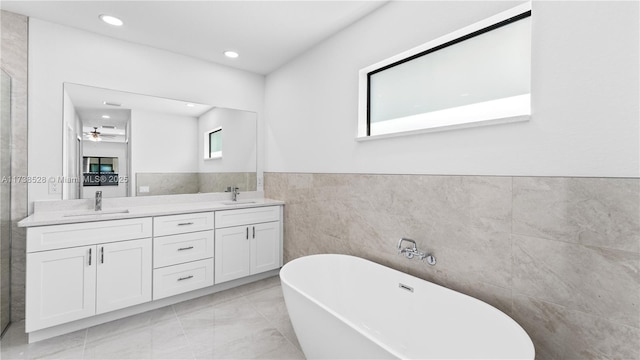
[(411, 251), (98, 203), (235, 191)]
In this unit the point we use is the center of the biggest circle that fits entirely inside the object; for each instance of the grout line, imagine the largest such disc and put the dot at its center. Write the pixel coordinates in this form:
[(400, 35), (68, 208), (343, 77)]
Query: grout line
[(512, 264), (289, 340), (272, 324), (511, 220), (84, 345), (189, 344), (249, 291)]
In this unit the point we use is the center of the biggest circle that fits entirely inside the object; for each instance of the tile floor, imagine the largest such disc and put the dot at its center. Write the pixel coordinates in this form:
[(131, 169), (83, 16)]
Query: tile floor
[(248, 322)]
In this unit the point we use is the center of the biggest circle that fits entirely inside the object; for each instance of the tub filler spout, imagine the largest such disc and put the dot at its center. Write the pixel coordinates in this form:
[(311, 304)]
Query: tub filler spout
[(412, 251)]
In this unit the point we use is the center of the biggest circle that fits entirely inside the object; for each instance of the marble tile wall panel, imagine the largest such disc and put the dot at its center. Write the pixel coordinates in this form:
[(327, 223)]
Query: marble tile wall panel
[(218, 182), (589, 211), (559, 255), (13, 59), (561, 333), (193, 182), (585, 278), (167, 183), (5, 201)]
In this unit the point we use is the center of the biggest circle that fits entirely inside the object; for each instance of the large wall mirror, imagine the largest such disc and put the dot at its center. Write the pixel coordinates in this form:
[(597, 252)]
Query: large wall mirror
[(127, 144)]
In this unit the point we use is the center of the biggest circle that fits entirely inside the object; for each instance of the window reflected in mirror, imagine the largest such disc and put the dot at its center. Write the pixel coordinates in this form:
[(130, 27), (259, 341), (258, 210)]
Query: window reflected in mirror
[(214, 144)]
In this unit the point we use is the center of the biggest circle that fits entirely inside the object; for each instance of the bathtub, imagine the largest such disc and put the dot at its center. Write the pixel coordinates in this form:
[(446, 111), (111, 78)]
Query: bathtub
[(345, 307)]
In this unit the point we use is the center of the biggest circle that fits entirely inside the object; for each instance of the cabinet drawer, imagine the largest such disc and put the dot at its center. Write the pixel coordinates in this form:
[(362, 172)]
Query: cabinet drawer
[(177, 279), (89, 233), (184, 223), (181, 248), (227, 218)]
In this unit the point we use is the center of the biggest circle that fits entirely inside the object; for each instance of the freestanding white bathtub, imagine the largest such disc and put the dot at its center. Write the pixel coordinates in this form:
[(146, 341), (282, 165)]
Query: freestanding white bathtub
[(345, 307)]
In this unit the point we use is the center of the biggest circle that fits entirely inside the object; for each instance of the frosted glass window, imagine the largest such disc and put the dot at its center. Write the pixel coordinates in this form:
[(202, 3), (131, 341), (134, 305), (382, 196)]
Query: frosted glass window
[(474, 76)]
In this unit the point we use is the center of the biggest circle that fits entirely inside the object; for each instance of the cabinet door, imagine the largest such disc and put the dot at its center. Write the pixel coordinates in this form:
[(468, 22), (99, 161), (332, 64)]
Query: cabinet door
[(60, 286), (124, 274), (232, 253), (265, 247)]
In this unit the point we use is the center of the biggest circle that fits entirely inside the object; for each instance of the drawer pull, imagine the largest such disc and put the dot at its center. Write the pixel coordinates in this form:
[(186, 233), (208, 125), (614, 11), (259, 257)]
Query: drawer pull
[(185, 278), (185, 224), (185, 248)]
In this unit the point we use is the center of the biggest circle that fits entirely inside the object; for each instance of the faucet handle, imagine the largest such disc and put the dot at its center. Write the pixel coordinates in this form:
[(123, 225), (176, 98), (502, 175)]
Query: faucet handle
[(431, 260)]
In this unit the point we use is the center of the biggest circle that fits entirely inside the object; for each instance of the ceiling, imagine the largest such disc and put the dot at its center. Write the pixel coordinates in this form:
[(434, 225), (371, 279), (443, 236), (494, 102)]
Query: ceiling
[(266, 34), (89, 103)]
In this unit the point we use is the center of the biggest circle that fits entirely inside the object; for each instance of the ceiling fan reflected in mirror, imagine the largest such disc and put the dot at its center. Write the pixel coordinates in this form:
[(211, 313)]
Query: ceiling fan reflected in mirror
[(96, 135)]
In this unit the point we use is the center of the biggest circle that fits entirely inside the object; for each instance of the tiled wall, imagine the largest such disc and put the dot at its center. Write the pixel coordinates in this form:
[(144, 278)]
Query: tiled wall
[(167, 183), (193, 182), (14, 52), (559, 255), (218, 182)]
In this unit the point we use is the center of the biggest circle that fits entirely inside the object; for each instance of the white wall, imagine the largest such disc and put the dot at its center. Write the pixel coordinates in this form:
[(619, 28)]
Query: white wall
[(59, 54), (238, 140), (107, 149), (584, 97), (163, 143)]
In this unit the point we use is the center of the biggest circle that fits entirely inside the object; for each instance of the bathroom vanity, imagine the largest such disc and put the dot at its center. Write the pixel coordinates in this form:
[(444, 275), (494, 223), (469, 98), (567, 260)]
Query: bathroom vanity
[(86, 267)]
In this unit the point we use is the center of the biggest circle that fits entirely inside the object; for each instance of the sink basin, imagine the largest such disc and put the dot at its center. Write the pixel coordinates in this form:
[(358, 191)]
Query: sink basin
[(239, 202), (94, 213)]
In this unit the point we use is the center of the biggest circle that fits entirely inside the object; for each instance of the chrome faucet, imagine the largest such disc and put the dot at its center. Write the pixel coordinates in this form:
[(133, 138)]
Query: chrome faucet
[(235, 191), (412, 250), (98, 202)]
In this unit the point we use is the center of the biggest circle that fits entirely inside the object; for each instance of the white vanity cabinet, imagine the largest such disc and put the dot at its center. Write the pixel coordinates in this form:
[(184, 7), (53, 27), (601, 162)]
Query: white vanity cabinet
[(74, 272), (247, 241), (182, 253), (81, 272)]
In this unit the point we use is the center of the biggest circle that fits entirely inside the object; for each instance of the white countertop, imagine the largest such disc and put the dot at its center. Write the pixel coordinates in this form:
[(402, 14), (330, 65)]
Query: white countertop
[(71, 215)]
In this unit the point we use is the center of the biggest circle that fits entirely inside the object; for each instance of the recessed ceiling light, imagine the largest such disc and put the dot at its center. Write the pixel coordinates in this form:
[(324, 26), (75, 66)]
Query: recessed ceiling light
[(191, 105), (231, 54), (106, 117), (111, 20), (111, 103)]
